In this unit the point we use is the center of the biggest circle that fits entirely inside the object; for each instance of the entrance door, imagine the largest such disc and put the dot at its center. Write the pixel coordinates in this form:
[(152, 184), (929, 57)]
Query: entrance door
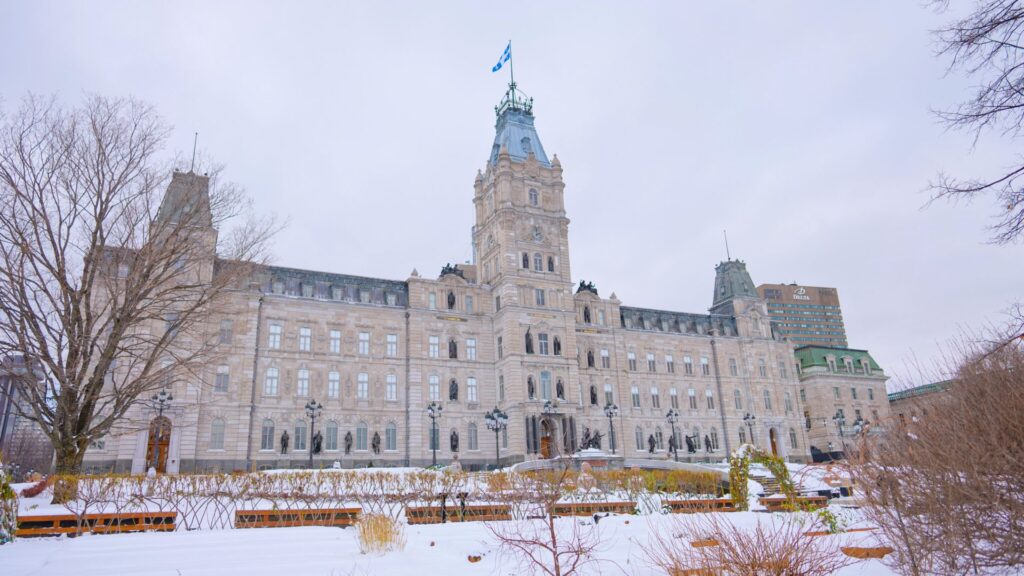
[(771, 435), (159, 444)]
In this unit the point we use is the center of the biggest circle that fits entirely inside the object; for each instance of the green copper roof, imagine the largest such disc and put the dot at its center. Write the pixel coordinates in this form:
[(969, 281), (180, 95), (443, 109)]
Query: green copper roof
[(817, 356)]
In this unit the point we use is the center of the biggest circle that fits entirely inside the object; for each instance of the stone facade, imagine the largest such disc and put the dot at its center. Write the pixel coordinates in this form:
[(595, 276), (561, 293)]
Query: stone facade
[(511, 330)]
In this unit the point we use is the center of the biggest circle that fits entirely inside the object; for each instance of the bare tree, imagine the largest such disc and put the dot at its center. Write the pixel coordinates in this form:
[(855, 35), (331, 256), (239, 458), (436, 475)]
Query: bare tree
[(987, 45), (107, 282)]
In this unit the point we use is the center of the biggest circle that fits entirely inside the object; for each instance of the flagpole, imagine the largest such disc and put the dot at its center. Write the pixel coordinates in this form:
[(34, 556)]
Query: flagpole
[(512, 73)]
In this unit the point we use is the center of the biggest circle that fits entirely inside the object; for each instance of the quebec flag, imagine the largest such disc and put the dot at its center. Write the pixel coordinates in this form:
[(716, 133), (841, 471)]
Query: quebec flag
[(505, 57)]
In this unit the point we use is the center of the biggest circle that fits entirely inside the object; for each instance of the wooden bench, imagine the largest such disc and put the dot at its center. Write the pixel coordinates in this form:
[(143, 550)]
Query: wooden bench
[(591, 508), (803, 502), (456, 513), (701, 505), (57, 524), (339, 517)]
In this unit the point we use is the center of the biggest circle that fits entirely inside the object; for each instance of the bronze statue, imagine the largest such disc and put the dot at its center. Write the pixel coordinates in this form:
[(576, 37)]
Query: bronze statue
[(560, 389), (453, 348), (530, 389), (453, 390), (651, 443), (451, 300), (318, 442), (376, 443), (348, 442), (455, 441), (284, 442), (529, 342), (558, 346), (593, 395), (707, 443), (672, 444)]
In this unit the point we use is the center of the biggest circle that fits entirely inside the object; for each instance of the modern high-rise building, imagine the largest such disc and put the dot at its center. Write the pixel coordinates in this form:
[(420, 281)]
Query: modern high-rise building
[(807, 315)]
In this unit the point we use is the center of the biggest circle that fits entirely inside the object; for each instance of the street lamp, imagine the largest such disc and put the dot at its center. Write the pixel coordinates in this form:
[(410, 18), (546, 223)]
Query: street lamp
[(749, 420), (673, 417), (163, 400), (860, 425), (313, 409), (434, 412), (611, 411), (496, 420)]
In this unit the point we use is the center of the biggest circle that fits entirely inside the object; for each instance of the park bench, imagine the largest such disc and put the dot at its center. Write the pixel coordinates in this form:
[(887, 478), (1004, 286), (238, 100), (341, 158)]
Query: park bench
[(701, 505), (456, 513), (803, 502), (591, 508), (339, 517), (101, 523)]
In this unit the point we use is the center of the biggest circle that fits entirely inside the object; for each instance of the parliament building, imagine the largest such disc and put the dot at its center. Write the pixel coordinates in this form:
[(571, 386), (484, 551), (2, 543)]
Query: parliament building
[(514, 330)]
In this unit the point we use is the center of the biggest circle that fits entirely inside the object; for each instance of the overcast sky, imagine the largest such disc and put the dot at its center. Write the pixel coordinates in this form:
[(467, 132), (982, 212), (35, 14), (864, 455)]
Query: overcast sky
[(804, 129)]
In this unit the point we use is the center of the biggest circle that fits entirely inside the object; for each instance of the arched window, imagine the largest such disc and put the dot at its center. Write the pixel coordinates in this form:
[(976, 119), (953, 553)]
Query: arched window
[(331, 441), (792, 438), (453, 390), (299, 440), (538, 262), (658, 438), (267, 435), (714, 439), (551, 264), (534, 196), (639, 439), (217, 434), (743, 435), (361, 436), (737, 400), (471, 436), (526, 260), (391, 437)]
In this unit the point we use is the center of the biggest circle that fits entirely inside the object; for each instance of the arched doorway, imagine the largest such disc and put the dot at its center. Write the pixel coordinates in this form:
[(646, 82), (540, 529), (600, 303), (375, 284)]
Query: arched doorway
[(159, 444), (771, 436), (545, 438)]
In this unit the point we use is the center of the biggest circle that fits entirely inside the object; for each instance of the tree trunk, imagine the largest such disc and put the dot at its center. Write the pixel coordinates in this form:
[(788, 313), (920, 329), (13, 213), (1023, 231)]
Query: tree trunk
[(68, 466)]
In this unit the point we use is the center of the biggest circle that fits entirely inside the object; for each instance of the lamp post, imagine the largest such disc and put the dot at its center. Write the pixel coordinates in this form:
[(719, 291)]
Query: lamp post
[(611, 411), (313, 409), (497, 421), (840, 421), (673, 417), (749, 420), (163, 400), (434, 412)]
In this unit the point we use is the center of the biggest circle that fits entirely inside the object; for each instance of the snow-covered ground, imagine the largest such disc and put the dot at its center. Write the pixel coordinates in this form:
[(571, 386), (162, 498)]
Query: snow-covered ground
[(334, 551)]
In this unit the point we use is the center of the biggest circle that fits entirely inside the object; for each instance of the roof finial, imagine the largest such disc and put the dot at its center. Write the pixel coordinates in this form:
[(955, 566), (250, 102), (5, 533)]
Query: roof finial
[(726, 236)]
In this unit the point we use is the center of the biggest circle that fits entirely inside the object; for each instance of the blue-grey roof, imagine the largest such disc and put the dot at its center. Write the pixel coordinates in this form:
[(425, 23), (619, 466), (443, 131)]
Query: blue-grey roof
[(677, 322), (515, 131)]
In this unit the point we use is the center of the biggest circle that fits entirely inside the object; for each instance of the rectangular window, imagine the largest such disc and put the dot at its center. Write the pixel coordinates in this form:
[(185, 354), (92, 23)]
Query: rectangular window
[(737, 400), (651, 367), (705, 368), (335, 341), (274, 338), (835, 392), (471, 390), (432, 301), (433, 346), (789, 402), (221, 382), (434, 390), (670, 364), (871, 395), (710, 396), (632, 360), (600, 317), (803, 396), (469, 304), (305, 338), (302, 383), (501, 351), (539, 296), (497, 303), (635, 392), (782, 369), (762, 368), (331, 440), (363, 386), (674, 395), (767, 401), (655, 400), (688, 365), (693, 398), (471, 348), (608, 398), (391, 391), (226, 331), (542, 342), (361, 437), (217, 435), (364, 343), (733, 367), (270, 384), (853, 393), (501, 387), (392, 350), (545, 385), (606, 361), (391, 439), (333, 384)]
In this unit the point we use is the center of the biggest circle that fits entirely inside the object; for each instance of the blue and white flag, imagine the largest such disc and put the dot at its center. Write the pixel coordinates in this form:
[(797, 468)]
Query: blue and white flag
[(505, 57)]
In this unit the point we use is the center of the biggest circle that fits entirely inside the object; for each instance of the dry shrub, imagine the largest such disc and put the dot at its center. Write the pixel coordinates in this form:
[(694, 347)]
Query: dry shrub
[(379, 533), (35, 489), (946, 486), (776, 546)]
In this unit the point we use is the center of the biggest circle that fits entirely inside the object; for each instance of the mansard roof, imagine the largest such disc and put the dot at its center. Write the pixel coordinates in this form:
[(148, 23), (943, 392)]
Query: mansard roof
[(329, 286), (818, 356), (676, 322), (514, 130)]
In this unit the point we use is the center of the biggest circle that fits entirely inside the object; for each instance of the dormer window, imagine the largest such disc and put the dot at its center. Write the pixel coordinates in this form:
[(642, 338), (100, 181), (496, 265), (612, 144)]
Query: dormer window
[(849, 365), (534, 197), (831, 364)]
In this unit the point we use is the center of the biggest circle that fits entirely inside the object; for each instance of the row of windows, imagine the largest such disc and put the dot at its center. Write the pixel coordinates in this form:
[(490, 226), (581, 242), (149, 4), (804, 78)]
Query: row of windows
[(305, 341), (807, 306), (451, 302), (298, 442), (706, 443), (692, 397), (434, 389), (434, 348), (538, 262), (543, 347), (837, 393), (688, 366), (272, 380)]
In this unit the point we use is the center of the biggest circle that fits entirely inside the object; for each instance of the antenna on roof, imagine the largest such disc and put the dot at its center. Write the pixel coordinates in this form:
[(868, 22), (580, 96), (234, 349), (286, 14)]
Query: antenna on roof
[(726, 236), (195, 141)]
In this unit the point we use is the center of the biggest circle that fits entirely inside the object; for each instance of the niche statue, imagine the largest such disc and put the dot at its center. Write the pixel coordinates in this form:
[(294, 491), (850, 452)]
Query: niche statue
[(284, 442), (348, 442), (455, 441)]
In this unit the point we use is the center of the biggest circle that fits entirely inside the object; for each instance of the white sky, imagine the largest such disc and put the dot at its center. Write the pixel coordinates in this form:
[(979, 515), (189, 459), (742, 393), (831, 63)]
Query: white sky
[(802, 128)]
